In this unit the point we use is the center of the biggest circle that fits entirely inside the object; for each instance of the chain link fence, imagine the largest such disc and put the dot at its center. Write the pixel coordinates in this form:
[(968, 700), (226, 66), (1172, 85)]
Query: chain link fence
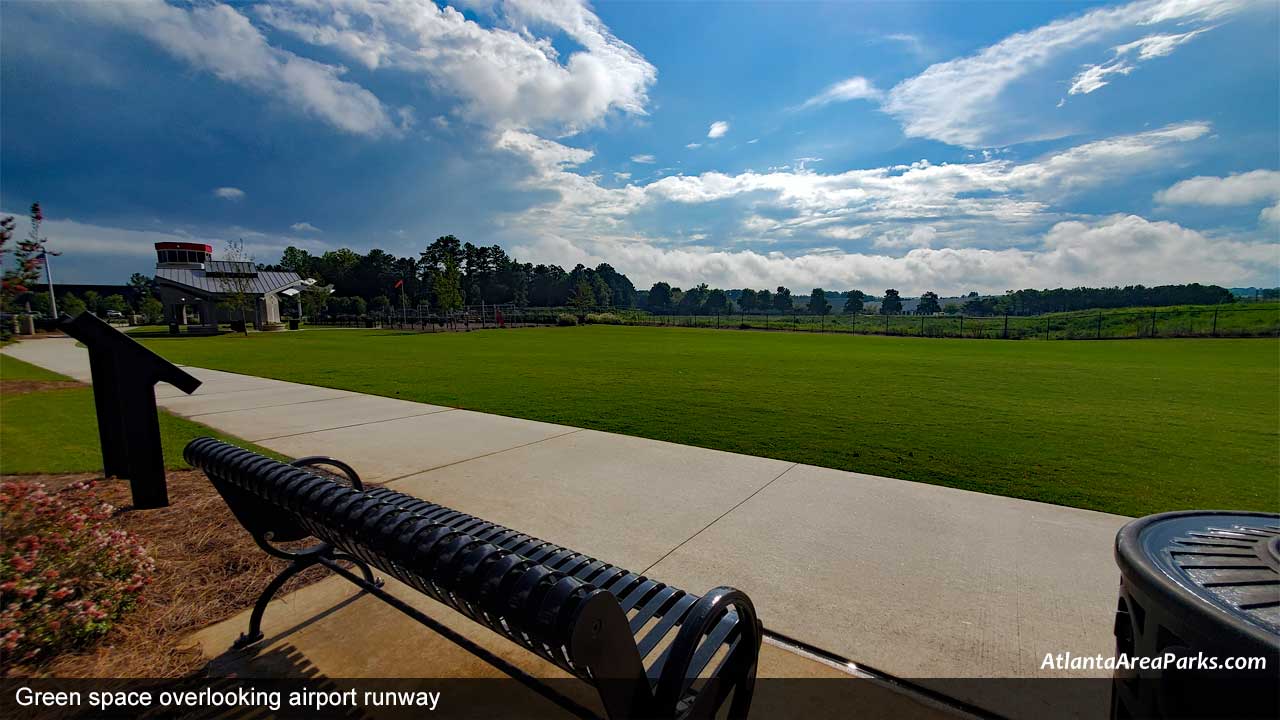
[(1252, 320)]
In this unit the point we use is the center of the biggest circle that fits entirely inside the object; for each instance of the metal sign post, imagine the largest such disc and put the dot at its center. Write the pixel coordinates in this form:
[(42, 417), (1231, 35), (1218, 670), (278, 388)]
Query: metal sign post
[(124, 378)]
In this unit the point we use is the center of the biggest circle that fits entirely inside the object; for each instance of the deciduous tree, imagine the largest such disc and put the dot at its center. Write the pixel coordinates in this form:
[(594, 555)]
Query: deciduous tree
[(928, 304), (818, 304), (782, 300), (891, 304)]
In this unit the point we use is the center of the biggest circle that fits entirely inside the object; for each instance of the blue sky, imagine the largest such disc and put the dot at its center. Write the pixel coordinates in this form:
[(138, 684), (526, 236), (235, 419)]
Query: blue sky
[(925, 146)]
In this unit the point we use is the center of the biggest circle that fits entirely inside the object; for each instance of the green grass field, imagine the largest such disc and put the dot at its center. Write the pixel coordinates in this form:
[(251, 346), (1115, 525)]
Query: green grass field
[(56, 431), (1129, 427)]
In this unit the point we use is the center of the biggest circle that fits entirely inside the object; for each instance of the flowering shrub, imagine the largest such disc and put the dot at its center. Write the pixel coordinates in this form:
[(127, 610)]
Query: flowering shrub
[(566, 320), (65, 575)]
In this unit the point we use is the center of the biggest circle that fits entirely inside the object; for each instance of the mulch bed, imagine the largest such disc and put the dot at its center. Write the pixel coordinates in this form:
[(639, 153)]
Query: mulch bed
[(207, 569)]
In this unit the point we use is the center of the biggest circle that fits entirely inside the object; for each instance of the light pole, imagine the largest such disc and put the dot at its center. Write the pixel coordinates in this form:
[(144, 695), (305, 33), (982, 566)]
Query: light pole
[(48, 273)]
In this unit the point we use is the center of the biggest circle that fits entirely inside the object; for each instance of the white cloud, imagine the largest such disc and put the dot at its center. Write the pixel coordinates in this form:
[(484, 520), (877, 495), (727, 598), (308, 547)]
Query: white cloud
[(937, 214), (622, 176), (1121, 250), (1147, 48), (220, 40), (1095, 76), (717, 129), (229, 193), (1154, 46), (1239, 189), (644, 159), (854, 88), (1013, 192), (921, 236), (845, 232), (911, 42), (753, 141), (1270, 215), (509, 76), (962, 101), (694, 146), (303, 227)]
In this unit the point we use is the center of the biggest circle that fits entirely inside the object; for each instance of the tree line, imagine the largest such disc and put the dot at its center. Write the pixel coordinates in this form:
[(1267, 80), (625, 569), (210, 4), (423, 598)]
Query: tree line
[(450, 274)]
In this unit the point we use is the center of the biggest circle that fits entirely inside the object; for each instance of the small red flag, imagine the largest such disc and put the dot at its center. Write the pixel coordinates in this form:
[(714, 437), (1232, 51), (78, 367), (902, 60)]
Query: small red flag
[(398, 284)]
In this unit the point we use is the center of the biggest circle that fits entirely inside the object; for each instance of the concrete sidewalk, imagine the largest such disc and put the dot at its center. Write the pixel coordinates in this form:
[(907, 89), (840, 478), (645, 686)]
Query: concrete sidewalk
[(914, 580)]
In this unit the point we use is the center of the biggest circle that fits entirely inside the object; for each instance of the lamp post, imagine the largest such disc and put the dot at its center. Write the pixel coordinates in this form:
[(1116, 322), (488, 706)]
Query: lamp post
[(48, 274)]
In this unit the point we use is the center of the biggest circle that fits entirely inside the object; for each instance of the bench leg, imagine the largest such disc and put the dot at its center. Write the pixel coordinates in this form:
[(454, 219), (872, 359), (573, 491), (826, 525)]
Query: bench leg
[(255, 619), (365, 570)]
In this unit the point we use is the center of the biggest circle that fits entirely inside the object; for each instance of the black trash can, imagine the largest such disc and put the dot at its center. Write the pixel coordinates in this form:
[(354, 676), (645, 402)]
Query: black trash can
[(1198, 589), (293, 323), (173, 328)]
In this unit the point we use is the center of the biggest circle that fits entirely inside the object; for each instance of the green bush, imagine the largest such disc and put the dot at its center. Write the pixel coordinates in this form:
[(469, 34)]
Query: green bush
[(566, 320), (603, 319), (65, 575)]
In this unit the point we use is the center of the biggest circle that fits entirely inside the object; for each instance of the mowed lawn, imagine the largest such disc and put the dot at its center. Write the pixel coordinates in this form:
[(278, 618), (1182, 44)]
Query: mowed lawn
[(56, 430), (1129, 427)]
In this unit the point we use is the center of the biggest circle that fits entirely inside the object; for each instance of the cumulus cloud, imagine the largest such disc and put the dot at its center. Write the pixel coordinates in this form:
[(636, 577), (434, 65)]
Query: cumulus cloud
[(717, 129), (220, 40), (1239, 189), (922, 222), (229, 193), (1011, 191), (303, 227), (961, 101), (854, 88), (1121, 249), (508, 76)]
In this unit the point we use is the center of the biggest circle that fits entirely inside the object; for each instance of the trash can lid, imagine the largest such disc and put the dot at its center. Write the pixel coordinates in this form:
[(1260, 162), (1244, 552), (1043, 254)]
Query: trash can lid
[(1228, 562)]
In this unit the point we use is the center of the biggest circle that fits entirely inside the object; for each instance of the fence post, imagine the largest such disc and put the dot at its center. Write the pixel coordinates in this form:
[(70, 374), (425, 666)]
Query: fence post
[(922, 326), (886, 324), (1153, 323), (1046, 327), (962, 326), (1006, 326), (1215, 322), (1099, 325)]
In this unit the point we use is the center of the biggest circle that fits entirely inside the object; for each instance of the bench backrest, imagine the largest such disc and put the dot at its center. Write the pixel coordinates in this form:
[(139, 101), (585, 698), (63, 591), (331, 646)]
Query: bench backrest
[(642, 643)]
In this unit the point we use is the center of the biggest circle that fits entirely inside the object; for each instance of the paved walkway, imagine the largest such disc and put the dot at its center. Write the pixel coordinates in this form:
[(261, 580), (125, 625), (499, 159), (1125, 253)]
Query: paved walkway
[(914, 580)]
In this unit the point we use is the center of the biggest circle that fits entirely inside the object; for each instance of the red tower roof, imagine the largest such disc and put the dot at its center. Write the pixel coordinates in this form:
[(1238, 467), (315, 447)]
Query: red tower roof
[(198, 247)]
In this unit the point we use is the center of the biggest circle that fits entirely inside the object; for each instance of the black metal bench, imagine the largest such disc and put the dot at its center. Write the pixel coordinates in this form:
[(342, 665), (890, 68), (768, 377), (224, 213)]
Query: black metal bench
[(649, 649)]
